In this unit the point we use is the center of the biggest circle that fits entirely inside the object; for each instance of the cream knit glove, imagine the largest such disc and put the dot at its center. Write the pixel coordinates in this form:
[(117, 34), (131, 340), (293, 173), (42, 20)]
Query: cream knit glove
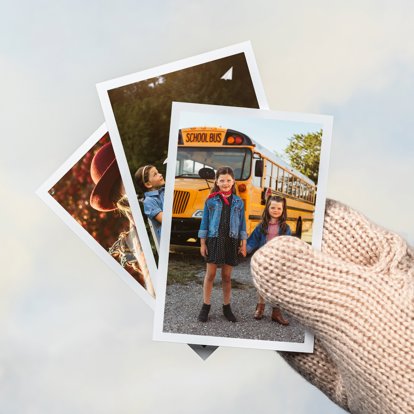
[(357, 295)]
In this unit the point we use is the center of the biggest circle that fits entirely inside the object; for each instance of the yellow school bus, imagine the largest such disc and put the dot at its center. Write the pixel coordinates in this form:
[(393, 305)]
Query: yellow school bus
[(258, 173)]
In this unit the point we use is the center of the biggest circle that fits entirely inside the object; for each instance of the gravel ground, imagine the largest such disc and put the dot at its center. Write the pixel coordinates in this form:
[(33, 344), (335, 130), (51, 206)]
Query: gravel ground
[(183, 303)]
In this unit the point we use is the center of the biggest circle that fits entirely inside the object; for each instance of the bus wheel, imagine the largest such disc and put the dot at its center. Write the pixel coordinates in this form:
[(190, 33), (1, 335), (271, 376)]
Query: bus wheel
[(299, 228)]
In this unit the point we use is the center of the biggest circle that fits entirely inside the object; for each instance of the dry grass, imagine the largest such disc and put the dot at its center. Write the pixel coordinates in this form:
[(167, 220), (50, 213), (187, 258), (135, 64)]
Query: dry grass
[(183, 268)]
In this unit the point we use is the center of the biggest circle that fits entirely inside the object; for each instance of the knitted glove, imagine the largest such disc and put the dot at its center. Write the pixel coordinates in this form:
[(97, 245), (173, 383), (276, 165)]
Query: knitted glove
[(357, 295)]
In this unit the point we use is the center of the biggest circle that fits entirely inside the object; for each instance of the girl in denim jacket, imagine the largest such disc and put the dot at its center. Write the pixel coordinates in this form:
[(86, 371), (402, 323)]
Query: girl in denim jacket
[(273, 224), (222, 237), (151, 182)]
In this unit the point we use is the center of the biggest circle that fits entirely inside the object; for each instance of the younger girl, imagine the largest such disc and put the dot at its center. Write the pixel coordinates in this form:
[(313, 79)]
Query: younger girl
[(273, 224), (222, 236), (151, 182)]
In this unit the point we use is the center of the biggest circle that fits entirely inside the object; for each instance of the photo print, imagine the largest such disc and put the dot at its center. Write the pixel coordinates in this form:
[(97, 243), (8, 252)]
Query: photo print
[(87, 193), (137, 110), (240, 177), (78, 193)]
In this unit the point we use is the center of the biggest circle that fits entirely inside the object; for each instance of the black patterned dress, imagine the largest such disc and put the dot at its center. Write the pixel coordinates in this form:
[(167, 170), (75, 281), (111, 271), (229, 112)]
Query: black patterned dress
[(223, 249)]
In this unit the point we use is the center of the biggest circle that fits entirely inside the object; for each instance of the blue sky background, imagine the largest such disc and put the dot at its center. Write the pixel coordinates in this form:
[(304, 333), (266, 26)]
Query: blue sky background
[(75, 339)]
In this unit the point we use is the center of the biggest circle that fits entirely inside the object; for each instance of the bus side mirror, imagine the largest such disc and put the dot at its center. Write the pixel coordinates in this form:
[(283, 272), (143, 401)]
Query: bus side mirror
[(207, 173), (258, 168)]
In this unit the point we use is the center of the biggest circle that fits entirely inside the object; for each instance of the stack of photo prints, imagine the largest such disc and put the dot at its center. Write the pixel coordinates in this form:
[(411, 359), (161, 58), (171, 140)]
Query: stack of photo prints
[(190, 164)]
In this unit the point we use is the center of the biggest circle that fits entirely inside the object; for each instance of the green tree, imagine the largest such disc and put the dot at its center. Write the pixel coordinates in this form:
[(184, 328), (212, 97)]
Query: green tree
[(304, 151)]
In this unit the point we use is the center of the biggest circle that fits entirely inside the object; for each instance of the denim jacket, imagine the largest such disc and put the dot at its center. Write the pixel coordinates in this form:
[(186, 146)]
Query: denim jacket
[(153, 205), (258, 239), (211, 218)]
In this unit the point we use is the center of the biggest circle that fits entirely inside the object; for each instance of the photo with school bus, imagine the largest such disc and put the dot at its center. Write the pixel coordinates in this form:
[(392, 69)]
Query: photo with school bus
[(236, 179), (259, 173)]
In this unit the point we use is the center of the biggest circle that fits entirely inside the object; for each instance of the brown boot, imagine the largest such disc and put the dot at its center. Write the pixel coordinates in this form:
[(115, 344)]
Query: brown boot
[(258, 314), (278, 317)]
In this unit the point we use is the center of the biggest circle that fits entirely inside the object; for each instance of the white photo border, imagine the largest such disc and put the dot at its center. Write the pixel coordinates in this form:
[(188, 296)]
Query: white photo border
[(326, 121), (103, 89)]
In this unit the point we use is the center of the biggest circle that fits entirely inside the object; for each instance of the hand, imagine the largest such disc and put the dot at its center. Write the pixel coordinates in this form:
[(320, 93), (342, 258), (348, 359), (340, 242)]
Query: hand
[(357, 295), (203, 250), (242, 250)]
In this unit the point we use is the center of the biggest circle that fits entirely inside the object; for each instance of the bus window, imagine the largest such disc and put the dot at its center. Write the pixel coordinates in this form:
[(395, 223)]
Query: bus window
[(296, 187), (279, 182), (304, 191), (307, 192), (301, 189), (275, 174), (313, 195), (268, 174), (274, 177), (246, 165), (294, 182), (188, 167), (287, 185), (293, 185), (191, 160), (282, 186)]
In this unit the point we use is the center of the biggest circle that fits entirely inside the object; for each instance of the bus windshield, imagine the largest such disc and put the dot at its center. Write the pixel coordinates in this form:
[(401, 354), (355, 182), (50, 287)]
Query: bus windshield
[(191, 160)]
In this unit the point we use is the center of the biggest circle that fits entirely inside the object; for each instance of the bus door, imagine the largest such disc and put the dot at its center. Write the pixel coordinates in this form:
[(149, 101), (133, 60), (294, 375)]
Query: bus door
[(256, 207)]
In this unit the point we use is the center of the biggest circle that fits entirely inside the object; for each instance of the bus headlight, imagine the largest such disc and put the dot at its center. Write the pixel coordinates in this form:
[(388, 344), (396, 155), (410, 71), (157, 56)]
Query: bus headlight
[(198, 214)]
